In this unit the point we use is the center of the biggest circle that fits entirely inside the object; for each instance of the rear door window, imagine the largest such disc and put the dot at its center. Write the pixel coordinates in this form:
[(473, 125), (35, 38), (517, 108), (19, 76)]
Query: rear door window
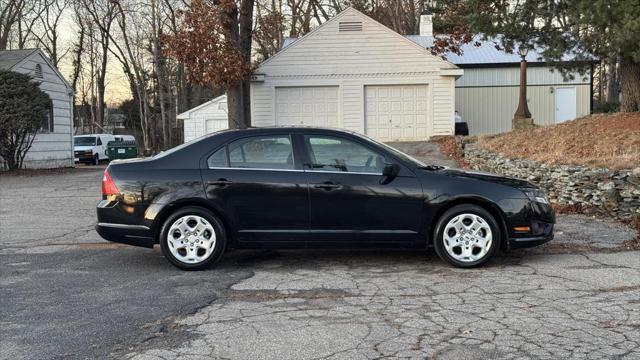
[(256, 152)]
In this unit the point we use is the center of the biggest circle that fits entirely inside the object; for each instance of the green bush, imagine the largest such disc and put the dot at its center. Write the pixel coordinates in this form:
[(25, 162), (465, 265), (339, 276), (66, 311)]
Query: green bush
[(22, 108)]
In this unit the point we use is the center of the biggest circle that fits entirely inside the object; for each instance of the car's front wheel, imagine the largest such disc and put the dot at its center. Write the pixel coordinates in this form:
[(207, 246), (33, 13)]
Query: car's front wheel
[(192, 238), (96, 159), (466, 236)]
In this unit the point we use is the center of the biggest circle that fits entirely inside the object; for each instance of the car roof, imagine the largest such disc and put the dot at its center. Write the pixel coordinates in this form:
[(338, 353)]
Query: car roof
[(296, 129)]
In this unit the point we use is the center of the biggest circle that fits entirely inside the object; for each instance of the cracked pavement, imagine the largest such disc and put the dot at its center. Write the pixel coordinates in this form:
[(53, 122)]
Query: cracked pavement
[(351, 306), (66, 293)]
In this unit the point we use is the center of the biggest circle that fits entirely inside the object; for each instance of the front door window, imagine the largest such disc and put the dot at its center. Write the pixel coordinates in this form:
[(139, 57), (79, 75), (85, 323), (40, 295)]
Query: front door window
[(328, 153)]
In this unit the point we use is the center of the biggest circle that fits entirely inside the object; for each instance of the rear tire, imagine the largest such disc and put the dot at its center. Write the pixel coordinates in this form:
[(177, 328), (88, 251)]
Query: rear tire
[(466, 236), (192, 238)]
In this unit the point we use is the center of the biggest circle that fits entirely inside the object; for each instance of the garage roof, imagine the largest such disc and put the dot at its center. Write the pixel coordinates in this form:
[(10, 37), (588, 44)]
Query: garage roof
[(486, 53)]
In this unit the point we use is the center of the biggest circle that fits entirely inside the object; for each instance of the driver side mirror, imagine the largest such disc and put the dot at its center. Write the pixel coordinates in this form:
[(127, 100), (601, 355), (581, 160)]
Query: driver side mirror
[(390, 170)]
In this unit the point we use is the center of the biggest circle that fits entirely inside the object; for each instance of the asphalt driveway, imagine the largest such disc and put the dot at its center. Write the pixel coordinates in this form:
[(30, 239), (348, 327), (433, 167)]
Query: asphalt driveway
[(65, 293)]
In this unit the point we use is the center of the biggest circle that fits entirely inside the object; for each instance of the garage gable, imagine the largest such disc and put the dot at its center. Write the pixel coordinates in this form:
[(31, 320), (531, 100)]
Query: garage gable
[(352, 44)]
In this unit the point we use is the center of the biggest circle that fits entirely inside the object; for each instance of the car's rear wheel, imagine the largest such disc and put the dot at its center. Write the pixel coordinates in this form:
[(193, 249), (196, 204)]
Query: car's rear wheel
[(466, 236), (192, 238)]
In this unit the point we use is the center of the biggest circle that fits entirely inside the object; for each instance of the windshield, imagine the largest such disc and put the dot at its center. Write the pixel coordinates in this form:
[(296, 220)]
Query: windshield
[(398, 153), (84, 141)]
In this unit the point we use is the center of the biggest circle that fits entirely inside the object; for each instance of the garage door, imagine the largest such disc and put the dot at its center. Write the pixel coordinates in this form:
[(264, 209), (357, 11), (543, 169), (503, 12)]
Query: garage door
[(396, 112), (309, 105)]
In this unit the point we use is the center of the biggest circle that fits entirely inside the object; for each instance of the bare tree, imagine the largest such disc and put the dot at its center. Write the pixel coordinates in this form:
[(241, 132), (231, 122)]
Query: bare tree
[(49, 36), (102, 13), (17, 21)]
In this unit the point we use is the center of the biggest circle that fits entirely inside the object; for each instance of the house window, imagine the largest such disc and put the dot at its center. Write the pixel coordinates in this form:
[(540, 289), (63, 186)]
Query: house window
[(47, 121), (38, 71)]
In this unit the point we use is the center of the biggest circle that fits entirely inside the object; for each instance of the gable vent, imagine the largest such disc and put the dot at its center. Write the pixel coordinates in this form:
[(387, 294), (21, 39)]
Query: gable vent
[(350, 26), (38, 71)]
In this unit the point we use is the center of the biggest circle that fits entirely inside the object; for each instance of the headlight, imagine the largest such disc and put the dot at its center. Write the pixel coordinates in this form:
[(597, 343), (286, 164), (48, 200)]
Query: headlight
[(537, 196)]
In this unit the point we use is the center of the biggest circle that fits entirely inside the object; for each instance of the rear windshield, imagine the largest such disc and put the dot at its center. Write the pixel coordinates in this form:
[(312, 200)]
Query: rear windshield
[(84, 141)]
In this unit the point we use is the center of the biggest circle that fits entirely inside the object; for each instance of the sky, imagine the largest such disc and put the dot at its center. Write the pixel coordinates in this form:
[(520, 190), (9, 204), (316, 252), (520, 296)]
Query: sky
[(117, 87)]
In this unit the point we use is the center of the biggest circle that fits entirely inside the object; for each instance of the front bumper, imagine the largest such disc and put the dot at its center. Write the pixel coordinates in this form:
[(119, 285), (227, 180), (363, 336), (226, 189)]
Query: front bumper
[(526, 242), (136, 235), (532, 225)]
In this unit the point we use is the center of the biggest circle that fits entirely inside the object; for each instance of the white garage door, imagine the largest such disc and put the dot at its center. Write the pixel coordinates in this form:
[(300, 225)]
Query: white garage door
[(396, 112), (309, 105)]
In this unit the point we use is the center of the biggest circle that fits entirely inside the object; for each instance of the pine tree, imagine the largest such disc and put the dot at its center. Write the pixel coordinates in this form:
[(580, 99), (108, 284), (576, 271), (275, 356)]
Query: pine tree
[(23, 107), (608, 30)]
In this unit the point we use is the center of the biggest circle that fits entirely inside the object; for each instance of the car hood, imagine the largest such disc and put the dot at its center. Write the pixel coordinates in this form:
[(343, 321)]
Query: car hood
[(82, 148), (493, 178)]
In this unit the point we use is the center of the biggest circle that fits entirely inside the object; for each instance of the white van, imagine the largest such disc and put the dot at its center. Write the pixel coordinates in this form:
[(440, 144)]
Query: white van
[(91, 148)]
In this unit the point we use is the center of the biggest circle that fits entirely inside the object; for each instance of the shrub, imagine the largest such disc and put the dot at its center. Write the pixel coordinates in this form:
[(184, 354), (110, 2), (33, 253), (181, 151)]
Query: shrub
[(607, 107), (22, 108)]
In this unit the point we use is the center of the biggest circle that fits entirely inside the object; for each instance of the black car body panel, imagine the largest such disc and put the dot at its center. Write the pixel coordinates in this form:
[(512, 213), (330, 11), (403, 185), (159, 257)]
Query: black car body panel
[(302, 206)]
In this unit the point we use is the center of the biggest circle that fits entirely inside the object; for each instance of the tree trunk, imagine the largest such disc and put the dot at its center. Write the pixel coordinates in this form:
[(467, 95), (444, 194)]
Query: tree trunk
[(246, 32), (630, 85), (612, 89), (238, 33), (235, 108)]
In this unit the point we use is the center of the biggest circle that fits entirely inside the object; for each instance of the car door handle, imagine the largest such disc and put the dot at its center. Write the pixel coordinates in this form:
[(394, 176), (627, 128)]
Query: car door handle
[(328, 185), (219, 182)]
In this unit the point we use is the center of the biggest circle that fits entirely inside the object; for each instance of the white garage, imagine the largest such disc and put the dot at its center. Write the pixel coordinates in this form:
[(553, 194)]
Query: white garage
[(206, 118), (354, 73), (307, 105), (396, 112)]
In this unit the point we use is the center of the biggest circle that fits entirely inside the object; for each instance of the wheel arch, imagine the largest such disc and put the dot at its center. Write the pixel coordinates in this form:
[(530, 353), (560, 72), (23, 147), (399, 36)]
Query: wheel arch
[(486, 204), (168, 209)]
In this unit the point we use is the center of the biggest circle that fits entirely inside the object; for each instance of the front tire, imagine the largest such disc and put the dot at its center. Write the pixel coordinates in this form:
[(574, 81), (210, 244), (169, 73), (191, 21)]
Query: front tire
[(192, 238), (466, 236), (96, 159)]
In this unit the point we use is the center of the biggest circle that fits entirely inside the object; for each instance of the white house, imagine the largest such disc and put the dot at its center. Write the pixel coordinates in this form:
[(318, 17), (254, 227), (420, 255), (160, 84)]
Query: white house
[(53, 145), (205, 118), (354, 73)]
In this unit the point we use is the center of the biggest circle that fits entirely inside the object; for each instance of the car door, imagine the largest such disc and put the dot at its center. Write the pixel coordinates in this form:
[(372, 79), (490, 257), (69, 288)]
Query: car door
[(350, 199), (259, 185)]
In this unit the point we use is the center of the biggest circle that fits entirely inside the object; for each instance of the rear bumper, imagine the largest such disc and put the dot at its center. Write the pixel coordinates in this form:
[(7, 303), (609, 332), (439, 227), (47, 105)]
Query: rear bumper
[(136, 235)]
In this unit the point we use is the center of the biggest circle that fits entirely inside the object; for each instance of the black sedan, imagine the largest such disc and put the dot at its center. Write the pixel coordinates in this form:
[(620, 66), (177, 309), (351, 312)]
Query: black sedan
[(312, 188)]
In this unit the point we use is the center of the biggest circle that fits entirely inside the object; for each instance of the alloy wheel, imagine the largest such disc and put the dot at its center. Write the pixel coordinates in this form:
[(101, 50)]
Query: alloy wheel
[(467, 237), (191, 239)]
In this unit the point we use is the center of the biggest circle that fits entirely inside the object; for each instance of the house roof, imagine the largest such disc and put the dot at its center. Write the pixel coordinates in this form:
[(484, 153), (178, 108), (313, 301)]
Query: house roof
[(349, 10), (185, 115), (485, 54), (10, 58)]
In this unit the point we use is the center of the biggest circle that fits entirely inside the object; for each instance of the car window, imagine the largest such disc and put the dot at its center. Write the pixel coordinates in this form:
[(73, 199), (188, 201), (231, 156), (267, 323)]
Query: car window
[(99, 141), (218, 158), (262, 152), (330, 153)]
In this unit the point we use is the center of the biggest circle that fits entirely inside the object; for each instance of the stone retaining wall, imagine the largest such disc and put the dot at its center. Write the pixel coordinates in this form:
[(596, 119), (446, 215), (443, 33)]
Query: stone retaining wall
[(614, 193)]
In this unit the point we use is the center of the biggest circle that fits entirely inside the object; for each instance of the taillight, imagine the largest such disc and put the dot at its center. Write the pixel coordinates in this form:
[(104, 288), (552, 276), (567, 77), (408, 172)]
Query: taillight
[(108, 186)]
